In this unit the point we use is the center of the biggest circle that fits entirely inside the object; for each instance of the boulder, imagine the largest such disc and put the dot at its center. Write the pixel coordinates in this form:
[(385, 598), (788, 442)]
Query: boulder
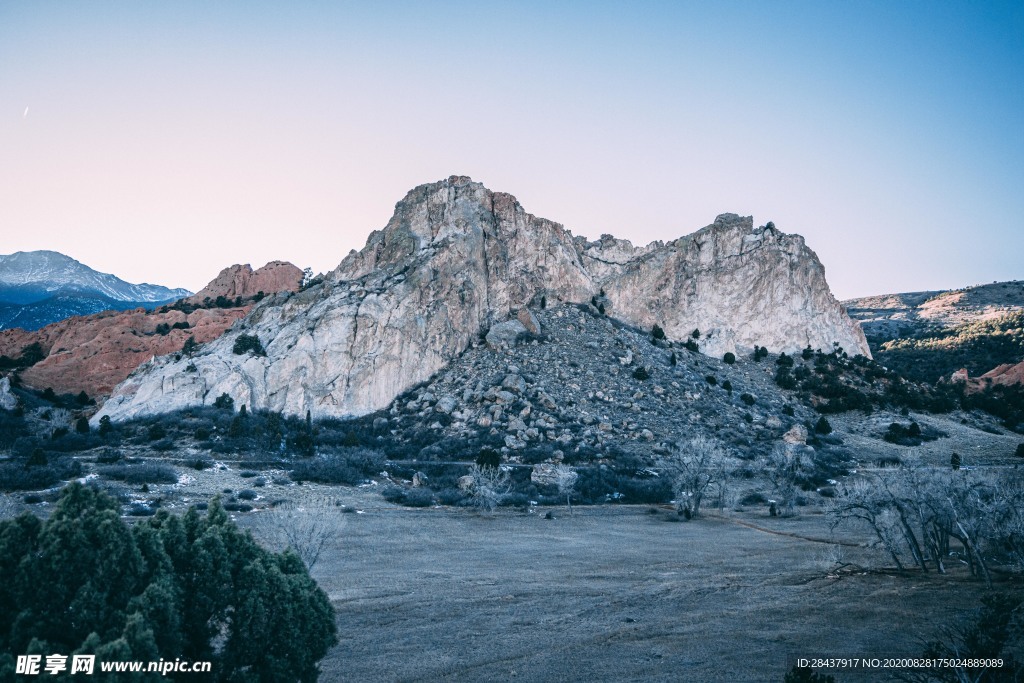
[(505, 335)]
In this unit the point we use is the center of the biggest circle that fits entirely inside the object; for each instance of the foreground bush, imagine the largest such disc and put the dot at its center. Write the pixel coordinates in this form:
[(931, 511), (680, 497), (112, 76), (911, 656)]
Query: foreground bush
[(193, 587)]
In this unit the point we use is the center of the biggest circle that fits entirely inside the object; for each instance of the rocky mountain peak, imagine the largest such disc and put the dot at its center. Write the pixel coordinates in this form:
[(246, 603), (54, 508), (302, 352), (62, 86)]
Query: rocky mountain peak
[(240, 280), (455, 260)]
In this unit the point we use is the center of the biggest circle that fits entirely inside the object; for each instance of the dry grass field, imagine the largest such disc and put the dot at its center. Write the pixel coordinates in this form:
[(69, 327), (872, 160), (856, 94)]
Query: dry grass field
[(616, 594)]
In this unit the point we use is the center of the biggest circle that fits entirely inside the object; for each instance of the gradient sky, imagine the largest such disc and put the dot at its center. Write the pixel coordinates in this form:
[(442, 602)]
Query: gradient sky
[(164, 141)]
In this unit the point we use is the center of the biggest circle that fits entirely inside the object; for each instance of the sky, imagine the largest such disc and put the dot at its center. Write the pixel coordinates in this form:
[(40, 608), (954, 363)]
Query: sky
[(162, 142)]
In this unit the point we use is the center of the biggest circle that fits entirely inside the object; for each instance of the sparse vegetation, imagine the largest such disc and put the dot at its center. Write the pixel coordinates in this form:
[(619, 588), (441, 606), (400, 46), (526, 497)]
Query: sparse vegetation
[(248, 343)]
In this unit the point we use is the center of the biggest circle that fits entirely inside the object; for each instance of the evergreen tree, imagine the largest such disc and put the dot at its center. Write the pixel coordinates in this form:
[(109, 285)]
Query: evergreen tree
[(193, 587)]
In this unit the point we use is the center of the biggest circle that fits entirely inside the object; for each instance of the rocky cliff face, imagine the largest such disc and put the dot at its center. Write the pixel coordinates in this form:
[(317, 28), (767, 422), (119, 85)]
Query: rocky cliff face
[(242, 280), (456, 259)]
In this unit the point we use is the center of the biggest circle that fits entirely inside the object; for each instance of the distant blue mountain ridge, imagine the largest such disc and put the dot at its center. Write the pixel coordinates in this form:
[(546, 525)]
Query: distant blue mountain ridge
[(41, 287)]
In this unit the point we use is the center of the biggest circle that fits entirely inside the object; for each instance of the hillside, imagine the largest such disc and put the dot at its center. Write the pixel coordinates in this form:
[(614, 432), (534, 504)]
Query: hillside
[(41, 287), (914, 314), (927, 336), (94, 353)]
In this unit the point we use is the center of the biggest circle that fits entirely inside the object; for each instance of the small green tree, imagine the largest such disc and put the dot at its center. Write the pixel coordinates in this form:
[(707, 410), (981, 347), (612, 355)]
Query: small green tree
[(729, 358), (657, 332), (190, 346), (822, 426), (488, 457), (82, 425), (224, 402), (248, 343), (105, 426), (955, 461)]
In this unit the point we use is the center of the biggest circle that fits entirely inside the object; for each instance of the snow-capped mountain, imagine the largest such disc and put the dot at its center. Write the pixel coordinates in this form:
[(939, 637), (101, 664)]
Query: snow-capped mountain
[(40, 274), (41, 287)]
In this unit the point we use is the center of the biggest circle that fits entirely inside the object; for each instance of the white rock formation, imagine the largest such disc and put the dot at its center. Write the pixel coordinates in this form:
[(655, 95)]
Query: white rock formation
[(456, 259)]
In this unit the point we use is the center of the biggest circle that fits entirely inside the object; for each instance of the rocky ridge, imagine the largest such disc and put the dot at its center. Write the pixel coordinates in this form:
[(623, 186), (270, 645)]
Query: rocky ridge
[(97, 352), (893, 316), (457, 259)]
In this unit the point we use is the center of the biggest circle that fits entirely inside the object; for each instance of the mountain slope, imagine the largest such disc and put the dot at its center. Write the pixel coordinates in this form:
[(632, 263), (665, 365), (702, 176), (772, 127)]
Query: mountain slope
[(41, 287), (927, 336), (913, 314), (94, 353), (457, 260)]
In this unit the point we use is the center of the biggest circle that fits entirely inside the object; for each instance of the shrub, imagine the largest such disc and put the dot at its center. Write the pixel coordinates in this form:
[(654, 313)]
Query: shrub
[(16, 477), (418, 498), (727, 385), (141, 474), (729, 358), (641, 373), (711, 379), (488, 458), (784, 361), (691, 345), (822, 426), (248, 343), (346, 466), (247, 494), (1020, 451), (657, 332), (224, 402), (748, 398)]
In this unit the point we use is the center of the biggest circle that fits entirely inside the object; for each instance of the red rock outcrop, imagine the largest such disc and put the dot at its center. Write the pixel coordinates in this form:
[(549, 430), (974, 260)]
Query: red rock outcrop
[(242, 280), (1006, 374), (95, 353)]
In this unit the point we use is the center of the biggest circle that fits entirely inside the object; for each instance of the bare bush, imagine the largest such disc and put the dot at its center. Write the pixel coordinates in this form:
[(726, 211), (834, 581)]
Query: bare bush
[(488, 486), (700, 463), (916, 512), (785, 467), (305, 529), (565, 479)]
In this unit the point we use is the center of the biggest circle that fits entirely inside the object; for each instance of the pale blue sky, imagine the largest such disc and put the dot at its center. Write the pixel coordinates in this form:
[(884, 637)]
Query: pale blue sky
[(163, 142)]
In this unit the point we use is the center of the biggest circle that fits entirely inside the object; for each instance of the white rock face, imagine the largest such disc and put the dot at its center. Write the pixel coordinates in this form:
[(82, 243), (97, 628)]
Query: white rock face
[(455, 260)]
